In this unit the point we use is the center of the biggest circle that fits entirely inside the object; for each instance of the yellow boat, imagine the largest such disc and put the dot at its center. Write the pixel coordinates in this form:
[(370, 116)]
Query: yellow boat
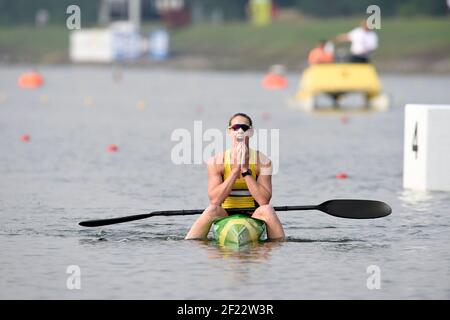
[(338, 79)]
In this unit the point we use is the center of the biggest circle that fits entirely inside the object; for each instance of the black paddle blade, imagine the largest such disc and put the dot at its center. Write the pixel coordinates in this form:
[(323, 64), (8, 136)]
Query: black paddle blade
[(105, 222), (356, 209)]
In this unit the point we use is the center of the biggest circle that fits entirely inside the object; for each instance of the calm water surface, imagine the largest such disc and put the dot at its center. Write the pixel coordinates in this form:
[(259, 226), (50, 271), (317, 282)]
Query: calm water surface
[(64, 175)]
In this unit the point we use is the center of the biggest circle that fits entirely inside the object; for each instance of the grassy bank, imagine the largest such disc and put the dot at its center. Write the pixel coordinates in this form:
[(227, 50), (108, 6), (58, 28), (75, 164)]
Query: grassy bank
[(406, 45), (30, 45)]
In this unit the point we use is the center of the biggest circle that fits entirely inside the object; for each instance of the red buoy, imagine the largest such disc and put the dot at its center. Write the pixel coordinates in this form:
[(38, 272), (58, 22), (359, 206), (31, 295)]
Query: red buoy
[(112, 148), (344, 119), (341, 175), (265, 115), (25, 138), (199, 109)]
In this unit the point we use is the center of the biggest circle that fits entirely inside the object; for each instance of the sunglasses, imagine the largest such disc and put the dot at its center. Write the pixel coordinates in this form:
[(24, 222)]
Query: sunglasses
[(238, 126)]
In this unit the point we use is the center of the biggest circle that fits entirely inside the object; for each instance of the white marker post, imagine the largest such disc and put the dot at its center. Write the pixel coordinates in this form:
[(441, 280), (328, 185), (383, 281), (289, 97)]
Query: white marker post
[(426, 163)]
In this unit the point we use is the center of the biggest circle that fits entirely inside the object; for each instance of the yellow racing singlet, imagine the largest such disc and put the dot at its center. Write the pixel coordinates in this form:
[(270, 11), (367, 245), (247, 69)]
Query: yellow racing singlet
[(239, 196)]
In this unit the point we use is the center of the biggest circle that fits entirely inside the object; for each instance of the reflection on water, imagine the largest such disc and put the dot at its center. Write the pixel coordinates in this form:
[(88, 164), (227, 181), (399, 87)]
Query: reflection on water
[(417, 200), (418, 206), (248, 253), (238, 264), (251, 252), (301, 240)]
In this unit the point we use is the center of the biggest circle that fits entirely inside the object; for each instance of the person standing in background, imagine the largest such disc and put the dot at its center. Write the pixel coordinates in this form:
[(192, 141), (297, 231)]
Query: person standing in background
[(363, 42)]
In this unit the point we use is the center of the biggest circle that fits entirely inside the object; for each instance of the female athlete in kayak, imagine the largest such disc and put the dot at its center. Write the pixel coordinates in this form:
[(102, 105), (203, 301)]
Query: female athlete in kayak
[(240, 177)]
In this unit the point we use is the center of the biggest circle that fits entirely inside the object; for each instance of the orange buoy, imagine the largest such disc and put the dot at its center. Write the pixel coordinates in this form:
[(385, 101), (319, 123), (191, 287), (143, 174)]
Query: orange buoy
[(30, 80), (88, 101), (141, 105), (112, 148), (274, 81)]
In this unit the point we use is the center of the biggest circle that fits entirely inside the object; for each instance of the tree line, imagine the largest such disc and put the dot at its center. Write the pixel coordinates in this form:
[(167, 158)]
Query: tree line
[(17, 12)]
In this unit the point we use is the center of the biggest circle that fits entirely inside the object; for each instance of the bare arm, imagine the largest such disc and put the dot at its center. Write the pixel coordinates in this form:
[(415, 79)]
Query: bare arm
[(218, 189), (261, 189)]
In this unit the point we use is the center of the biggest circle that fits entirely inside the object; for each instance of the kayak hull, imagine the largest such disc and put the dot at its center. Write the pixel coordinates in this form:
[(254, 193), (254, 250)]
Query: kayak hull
[(238, 230)]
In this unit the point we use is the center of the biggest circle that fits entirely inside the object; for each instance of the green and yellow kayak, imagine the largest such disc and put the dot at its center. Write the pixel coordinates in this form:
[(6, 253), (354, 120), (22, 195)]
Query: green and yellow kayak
[(238, 230)]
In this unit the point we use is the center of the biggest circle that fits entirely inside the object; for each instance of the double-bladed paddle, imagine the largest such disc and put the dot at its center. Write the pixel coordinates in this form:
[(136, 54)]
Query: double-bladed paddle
[(342, 208)]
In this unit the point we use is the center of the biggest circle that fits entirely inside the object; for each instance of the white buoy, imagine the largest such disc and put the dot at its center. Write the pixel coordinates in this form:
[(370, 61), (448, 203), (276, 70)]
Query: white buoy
[(426, 163)]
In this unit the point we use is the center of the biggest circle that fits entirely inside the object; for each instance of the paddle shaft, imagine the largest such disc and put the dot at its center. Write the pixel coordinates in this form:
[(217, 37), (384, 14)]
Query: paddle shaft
[(104, 222), (342, 208), (232, 210)]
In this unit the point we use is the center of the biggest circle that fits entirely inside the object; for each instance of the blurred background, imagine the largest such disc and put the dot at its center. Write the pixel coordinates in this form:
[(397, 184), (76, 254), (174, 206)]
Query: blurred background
[(92, 91), (230, 34)]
